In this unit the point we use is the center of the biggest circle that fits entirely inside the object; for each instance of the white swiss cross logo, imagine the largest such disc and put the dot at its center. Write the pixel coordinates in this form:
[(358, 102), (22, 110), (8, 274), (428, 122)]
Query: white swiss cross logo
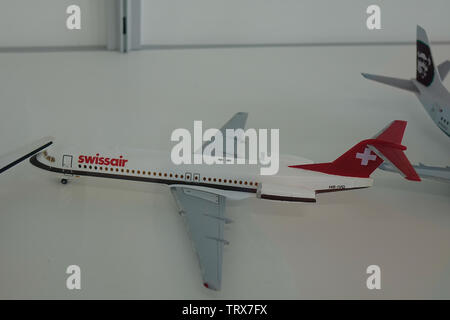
[(366, 156)]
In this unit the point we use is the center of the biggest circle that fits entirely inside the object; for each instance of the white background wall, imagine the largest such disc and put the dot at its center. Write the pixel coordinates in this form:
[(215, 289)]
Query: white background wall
[(297, 21), (133, 243), (43, 23)]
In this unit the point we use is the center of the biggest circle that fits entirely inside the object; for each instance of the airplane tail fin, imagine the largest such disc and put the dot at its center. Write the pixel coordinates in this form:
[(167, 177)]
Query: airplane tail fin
[(426, 72), (366, 156)]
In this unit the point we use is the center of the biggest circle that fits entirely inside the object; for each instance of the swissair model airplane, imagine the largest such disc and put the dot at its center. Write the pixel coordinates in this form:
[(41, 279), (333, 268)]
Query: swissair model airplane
[(427, 85), (201, 191)]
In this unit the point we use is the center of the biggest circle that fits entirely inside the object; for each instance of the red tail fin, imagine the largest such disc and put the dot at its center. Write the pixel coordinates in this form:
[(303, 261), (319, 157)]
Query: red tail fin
[(361, 160)]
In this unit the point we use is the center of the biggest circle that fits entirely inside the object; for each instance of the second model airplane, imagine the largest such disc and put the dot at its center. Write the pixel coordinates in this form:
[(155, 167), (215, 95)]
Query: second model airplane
[(201, 191), (427, 85)]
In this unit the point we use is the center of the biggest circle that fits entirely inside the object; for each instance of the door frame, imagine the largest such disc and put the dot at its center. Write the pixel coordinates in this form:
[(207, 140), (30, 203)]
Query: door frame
[(67, 170)]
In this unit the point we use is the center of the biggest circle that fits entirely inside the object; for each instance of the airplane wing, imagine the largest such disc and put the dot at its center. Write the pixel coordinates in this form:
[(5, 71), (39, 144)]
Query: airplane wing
[(443, 68), (238, 121), (204, 214), (14, 157)]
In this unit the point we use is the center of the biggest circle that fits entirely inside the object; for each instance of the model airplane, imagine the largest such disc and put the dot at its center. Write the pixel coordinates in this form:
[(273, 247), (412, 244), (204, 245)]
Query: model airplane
[(15, 157), (427, 85), (201, 191)]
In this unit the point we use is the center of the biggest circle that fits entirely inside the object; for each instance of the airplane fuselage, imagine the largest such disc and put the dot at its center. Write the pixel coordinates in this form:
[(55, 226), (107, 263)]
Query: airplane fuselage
[(436, 101), (157, 167)]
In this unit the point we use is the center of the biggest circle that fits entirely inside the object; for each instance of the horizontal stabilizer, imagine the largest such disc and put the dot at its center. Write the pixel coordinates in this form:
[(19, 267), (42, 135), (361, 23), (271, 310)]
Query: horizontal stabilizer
[(395, 155), (394, 82), (443, 69), (387, 146)]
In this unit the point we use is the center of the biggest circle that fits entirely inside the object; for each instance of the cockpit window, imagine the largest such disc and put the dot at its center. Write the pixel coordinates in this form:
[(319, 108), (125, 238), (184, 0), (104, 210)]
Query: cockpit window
[(47, 156)]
